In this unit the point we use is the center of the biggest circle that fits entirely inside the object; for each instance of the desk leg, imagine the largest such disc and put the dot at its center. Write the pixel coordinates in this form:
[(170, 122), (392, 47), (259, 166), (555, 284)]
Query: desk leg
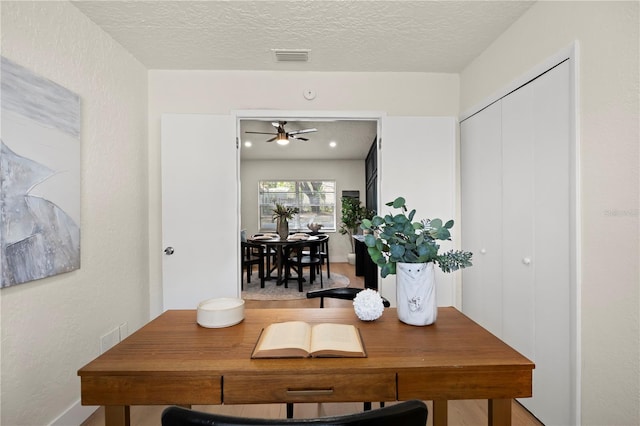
[(499, 412), (117, 415), (440, 415)]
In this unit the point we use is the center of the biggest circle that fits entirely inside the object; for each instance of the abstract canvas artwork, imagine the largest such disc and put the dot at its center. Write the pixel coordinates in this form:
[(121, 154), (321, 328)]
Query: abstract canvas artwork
[(39, 177)]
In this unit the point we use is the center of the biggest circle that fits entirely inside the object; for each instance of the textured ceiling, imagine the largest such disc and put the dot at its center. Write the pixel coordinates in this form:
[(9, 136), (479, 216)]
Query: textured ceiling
[(420, 36), (374, 36)]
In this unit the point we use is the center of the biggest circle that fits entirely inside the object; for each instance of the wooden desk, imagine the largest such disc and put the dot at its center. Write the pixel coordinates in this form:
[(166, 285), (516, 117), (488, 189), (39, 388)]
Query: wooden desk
[(172, 360)]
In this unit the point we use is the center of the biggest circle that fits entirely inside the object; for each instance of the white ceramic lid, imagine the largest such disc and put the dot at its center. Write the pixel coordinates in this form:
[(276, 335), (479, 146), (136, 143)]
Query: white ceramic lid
[(220, 312)]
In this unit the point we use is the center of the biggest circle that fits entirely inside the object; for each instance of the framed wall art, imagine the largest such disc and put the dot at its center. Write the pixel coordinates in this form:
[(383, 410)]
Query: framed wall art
[(40, 177)]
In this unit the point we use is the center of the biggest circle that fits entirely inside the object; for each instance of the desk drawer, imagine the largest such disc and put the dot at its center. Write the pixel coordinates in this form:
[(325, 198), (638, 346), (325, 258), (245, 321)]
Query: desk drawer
[(309, 388), (145, 390), (460, 383)]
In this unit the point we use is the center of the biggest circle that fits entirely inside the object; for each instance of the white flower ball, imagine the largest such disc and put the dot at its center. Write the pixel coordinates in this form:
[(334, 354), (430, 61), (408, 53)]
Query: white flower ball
[(368, 305)]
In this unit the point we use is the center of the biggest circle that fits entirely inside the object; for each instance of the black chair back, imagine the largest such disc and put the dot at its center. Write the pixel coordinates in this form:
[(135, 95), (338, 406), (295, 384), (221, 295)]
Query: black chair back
[(344, 293), (407, 413)]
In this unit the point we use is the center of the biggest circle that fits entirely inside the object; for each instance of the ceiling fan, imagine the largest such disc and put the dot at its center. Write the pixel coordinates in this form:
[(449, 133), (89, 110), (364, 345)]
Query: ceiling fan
[(282, 136)]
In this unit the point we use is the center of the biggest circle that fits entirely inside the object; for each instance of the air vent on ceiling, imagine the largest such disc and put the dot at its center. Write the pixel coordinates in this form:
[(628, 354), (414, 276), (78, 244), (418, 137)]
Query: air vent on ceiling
[(291, 55)]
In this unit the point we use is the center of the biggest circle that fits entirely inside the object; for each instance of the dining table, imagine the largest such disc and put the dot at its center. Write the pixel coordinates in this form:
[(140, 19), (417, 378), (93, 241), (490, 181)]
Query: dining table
[(281, 248)]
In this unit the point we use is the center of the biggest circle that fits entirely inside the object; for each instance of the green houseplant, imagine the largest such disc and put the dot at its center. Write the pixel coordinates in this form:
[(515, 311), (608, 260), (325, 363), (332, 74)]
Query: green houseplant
[(281, 215), (410, 250), (352, 214), (397, 238)]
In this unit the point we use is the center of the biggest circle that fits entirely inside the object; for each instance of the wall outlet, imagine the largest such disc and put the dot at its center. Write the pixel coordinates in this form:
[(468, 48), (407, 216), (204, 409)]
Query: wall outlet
[(109, 340)]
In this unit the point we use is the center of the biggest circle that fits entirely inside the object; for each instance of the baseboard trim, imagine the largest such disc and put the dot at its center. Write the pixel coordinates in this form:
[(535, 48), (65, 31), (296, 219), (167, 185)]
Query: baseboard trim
[(75, 415)]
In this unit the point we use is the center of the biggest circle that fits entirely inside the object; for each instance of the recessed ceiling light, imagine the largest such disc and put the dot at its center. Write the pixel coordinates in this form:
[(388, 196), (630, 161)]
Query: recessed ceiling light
[(248, 144), (333, 144)]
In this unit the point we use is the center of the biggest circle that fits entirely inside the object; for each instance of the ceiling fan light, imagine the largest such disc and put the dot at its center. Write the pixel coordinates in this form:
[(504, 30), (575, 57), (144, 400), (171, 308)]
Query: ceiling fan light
[(282, 139)]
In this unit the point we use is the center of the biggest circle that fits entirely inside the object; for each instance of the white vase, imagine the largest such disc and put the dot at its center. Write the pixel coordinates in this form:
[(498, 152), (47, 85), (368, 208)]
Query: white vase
[(416, 293), (351, 258)]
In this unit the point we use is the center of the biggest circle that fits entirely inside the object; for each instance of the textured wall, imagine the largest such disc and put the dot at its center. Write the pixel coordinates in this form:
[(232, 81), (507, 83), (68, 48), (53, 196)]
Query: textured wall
[(51, 327), (608, 34)]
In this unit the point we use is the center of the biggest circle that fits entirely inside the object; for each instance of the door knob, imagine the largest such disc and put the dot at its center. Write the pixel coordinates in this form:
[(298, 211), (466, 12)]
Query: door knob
[(169, 251), (526, 260)]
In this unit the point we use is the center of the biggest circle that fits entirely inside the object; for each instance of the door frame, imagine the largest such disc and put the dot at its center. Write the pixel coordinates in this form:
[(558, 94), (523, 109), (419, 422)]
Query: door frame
[(572, 55), (299, 115)]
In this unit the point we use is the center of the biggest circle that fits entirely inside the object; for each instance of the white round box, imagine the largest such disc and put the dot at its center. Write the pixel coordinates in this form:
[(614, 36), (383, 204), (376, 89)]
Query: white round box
[(220, 312)]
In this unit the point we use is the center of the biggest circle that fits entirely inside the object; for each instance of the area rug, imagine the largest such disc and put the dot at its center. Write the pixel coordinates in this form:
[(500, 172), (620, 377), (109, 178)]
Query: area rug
[(271, 291)]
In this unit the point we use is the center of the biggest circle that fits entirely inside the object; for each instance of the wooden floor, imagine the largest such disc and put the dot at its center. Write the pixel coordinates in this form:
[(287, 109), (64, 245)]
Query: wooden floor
[(461, 413)]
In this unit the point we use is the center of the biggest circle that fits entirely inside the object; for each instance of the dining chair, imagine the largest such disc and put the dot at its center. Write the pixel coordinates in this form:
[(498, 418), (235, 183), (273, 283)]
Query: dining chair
[(322, 250), (296, 260), (270, 256), (253, 254), (406, 413)]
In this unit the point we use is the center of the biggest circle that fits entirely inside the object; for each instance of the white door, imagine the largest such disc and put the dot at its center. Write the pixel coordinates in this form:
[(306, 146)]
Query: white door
[(200, 214), (481, 216), (417, 162), (530, 307), (537, 278)]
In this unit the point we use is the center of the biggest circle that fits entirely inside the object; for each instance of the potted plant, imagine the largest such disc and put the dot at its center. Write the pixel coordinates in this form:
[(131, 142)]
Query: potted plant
[(410, 249), (281, 215), (367, 214), (352, 214)]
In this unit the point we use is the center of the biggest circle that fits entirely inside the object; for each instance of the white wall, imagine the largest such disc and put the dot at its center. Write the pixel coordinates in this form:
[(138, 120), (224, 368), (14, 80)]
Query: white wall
[(51, 327), (220, 92), (348, 174), (608, 34)]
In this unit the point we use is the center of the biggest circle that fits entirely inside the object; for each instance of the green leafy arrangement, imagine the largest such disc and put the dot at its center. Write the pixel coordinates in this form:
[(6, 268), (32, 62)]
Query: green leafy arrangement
[(353, 213), (396, 238), (284, 212)]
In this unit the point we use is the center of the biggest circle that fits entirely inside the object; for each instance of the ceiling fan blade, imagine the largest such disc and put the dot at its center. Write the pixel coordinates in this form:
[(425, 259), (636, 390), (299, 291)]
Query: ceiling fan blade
[(299, 132), (298, 138), (262, 133), (272, 139)]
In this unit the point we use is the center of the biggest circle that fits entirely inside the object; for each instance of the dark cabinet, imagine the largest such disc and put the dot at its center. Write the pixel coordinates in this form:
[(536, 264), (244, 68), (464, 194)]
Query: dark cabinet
[(364, 265), (371, 177)]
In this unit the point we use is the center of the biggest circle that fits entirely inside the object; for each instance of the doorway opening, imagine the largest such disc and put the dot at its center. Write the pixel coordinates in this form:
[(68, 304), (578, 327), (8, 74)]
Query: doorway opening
[(335, 152)]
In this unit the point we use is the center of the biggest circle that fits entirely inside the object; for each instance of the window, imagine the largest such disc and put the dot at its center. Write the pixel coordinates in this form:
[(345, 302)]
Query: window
[(315, 199)]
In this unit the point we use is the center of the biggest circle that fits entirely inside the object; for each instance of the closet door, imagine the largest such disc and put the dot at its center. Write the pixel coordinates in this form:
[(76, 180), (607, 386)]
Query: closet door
[(521, 193), (518, 203), (481, 216), (536, 203)]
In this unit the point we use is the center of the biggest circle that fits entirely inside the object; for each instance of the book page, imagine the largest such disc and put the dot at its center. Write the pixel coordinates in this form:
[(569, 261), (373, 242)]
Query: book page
[(336, 337), (292, 334)]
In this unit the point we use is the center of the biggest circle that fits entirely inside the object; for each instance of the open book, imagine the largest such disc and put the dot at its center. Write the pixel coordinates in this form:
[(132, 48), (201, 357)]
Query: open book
[(298, 339)]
